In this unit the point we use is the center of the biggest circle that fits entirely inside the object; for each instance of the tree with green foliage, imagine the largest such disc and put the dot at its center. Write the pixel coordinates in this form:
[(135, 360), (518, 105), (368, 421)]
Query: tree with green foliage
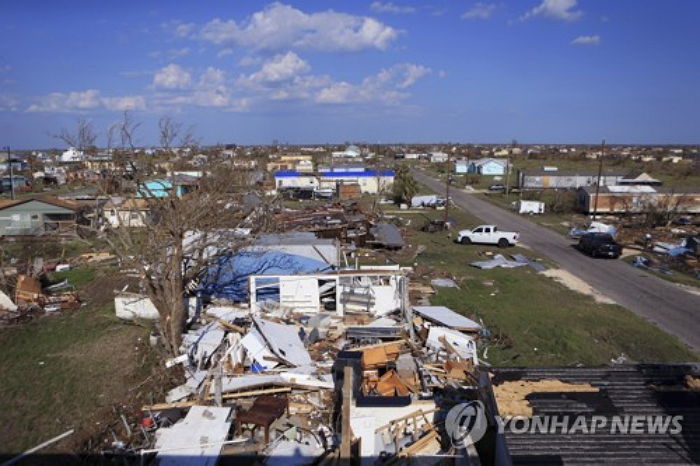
[(405, 187)]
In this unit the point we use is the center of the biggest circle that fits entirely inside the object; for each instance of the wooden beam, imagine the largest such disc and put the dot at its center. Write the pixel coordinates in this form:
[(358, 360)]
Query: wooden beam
[(346, 432), (225, 396)]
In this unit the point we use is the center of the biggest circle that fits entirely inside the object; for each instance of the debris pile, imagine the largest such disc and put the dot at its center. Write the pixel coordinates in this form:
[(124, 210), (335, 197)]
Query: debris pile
[(31, 299), (362, 373), (346, 222)]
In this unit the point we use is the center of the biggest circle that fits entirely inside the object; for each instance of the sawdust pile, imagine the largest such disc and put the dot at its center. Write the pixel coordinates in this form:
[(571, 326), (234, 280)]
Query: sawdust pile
[(510, 396)]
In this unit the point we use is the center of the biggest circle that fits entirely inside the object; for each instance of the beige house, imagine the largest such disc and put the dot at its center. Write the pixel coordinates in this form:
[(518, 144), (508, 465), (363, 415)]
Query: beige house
[(133, 213)]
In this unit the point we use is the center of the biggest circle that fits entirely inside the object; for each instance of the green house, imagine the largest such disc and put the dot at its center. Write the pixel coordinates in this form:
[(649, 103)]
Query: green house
[(31, 217)]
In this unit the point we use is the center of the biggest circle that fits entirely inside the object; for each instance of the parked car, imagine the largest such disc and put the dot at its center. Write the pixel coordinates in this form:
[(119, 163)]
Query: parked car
[(497, 187), (599, 245), (488, 234)]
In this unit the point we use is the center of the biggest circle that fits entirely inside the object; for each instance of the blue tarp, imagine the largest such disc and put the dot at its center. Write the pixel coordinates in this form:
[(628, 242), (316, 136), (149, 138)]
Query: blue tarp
[(228, 277)]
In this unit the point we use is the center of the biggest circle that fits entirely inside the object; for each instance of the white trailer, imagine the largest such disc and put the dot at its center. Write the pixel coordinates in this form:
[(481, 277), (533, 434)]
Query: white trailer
[(529, 207), (424, 201)]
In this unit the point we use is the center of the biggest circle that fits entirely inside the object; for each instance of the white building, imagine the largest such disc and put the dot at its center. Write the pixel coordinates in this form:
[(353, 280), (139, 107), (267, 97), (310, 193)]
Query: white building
[(293, 179), (369, 181), (351, 151), (72, 155), (438, 157)]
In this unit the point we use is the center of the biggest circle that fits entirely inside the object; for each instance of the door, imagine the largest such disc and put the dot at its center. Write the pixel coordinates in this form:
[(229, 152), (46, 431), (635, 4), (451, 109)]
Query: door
[(480, 235)]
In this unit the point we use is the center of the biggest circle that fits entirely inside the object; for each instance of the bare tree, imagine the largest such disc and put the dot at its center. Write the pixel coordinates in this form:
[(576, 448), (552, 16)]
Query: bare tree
[(82, 138), (172, 134), (127, 131), (182, 232)]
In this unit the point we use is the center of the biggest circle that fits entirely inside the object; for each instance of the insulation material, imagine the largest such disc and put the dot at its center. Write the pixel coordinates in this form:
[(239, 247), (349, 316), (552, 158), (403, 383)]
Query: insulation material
[(130, 306), (6, 303), (510, 395)]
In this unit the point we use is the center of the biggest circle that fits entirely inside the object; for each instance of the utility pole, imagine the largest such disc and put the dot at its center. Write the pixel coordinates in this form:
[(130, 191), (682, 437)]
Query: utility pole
[(600, 175), (12, 175), (507, 176), (447, 186)]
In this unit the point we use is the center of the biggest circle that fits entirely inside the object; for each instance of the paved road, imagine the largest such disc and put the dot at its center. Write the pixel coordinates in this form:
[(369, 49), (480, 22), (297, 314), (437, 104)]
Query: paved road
[(672, 308)]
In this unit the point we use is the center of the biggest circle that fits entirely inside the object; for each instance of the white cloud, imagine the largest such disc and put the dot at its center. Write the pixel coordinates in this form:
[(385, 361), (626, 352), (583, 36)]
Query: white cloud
[(172, 76), (129, 102), (249, 60), (280, 68), (554, 9), (72, 101), (387, 87), (8, 103), (224, 53), (90, 99), (280, 26), (479, 11), (388, 7), (338, 93), (176, 53), (179, 28), (210, 90), (586, 40)]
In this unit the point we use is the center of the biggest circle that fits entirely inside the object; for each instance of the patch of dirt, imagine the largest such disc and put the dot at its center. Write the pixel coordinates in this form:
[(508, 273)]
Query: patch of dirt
[(574, 283)]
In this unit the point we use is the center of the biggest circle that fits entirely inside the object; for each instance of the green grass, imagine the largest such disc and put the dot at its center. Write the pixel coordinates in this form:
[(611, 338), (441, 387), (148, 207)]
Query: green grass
[(674, 277), (534, 320), (67, 370), (76, 277)]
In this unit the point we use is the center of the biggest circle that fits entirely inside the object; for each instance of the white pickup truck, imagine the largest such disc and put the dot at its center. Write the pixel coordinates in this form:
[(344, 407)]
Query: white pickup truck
[(488, 234)]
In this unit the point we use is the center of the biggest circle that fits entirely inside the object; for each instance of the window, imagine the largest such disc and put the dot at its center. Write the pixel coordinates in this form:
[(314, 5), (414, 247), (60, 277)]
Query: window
[(479, 230)]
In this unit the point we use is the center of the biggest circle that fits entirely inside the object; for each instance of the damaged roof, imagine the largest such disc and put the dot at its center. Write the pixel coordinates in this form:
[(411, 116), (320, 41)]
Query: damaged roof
[(643, 389)]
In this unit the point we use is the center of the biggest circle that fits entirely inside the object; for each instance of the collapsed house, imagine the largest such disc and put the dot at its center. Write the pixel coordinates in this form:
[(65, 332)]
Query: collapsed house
[(320, 367)]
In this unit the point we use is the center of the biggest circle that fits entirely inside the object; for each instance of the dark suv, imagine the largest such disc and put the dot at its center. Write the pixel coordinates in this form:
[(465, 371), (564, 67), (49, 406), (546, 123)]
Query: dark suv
[(599, 245)]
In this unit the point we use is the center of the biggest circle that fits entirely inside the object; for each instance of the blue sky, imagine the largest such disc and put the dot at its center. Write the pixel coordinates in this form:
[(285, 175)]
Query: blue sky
[(334, 71)]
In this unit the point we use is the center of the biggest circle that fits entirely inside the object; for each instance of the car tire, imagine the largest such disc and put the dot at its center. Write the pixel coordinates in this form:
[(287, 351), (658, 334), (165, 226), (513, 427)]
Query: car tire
[(465, 240), (503, 243)]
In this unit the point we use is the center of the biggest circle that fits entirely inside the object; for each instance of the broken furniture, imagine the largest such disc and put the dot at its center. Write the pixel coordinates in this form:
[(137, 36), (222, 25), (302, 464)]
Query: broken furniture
[(265, 410)]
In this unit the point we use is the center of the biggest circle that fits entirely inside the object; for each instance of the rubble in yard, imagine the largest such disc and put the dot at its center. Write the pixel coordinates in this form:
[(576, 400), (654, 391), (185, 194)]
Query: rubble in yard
[(317, 367), (32, 300), (345, 222)]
